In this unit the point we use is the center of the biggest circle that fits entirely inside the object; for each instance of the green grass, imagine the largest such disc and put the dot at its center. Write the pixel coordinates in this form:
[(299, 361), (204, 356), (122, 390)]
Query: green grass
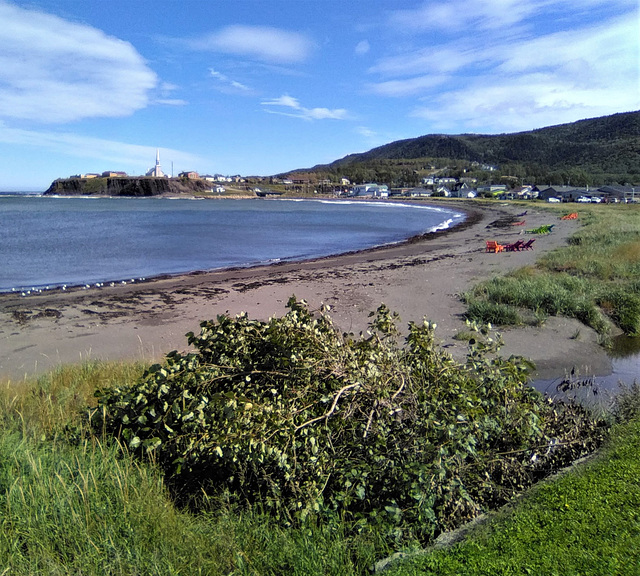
[(585, 523), (71, 504), (74, 505), (88, 509), (595, 279)]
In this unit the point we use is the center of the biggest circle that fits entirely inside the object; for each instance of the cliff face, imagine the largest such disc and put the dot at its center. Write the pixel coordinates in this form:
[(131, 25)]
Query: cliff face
[(127, 186)]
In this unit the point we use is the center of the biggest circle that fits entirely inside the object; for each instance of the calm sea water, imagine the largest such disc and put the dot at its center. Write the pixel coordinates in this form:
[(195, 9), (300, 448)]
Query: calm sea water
[(47, 241)]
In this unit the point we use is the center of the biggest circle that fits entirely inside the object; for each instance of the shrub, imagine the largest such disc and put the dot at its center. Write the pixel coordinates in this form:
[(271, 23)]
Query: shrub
[(304, 421)]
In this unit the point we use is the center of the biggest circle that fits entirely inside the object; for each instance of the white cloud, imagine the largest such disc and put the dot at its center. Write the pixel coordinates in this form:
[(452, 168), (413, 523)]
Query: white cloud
[(409, 86), (447, 17), (226, 84), (109, 152), (55, 71), (506, 82), (362, 47), (171, 102), (537, 100), (262, 43), (284, 100), (450, 17), (432, 60), (366, 132), (296, 110)]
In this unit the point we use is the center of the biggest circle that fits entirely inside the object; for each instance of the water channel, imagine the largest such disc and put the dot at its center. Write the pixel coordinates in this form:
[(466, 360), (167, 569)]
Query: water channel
[(599, 391)]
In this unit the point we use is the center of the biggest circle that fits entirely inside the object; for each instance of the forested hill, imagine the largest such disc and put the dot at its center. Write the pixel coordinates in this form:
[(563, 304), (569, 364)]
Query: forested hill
[(604, 148)]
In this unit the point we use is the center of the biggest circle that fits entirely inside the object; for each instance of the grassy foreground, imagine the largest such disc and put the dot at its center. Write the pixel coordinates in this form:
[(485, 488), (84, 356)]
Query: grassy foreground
[(71, 505)]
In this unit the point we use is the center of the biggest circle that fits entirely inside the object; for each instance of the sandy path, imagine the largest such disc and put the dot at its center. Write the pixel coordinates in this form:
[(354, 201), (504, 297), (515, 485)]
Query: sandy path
[(418, 279)]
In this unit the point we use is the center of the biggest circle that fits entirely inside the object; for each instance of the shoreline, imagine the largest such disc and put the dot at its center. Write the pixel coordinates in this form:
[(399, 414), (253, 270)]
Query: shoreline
[(419, 278), (51, 288)]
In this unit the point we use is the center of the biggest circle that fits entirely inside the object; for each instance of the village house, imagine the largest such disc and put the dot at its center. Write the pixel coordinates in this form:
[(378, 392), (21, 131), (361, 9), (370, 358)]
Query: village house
[(370, 189), (525, 192), (464, 191), (492, 188), (564, 193), (446, 181), (428, 181), (113, 174)]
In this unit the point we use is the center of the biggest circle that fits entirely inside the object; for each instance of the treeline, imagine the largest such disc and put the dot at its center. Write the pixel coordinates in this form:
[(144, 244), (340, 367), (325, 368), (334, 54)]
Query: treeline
[(589, 152)]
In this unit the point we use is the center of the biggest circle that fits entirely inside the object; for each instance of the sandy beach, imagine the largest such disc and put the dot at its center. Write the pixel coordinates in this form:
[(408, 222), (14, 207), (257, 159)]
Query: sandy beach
[(419, 279)]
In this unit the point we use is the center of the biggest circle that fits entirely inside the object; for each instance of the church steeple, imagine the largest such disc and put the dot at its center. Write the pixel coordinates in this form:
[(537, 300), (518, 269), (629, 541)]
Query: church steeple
[(156, 171)]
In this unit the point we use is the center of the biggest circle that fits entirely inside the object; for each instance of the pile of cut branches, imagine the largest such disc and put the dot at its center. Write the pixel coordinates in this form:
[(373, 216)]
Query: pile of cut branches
[(302, 420)]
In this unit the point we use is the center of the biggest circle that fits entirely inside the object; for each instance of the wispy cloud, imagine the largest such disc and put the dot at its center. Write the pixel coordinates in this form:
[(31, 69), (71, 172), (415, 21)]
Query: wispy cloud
[(370, 137), (293, 108), (514, 81), (571, 75), (262, 43), (170, 102), (56, 71), (409, 86), (166, 91), (432, 60), (450, 17), (226, 84), (109, 152), (362, 47), (484, 14)]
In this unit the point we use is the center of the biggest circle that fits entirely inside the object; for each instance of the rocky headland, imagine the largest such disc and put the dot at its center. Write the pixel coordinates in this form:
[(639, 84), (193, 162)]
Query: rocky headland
[(128, 186)]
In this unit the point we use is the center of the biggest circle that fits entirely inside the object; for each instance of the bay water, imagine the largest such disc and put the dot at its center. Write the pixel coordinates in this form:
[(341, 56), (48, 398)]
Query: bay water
[(55, 241)]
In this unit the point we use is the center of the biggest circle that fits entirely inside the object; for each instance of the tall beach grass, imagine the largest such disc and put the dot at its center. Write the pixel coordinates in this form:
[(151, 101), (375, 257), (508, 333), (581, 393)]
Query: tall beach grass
[(595, 279)]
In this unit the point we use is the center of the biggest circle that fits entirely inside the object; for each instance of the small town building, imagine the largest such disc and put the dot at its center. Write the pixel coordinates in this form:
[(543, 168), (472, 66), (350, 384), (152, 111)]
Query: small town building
[(617, 193), (370, 189), (420, 192), (565, 193), (113, 174), (492, 188)]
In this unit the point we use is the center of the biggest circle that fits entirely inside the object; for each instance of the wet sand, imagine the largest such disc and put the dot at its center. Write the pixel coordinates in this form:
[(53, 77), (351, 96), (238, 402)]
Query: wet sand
[(419, 279)]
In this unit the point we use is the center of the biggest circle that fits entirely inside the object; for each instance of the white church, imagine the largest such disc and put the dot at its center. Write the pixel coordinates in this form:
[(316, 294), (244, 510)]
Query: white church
[(156, 171)]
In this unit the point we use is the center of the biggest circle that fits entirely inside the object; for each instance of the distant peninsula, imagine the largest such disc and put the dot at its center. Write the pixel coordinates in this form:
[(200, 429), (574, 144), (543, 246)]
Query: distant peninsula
[(131, 186)]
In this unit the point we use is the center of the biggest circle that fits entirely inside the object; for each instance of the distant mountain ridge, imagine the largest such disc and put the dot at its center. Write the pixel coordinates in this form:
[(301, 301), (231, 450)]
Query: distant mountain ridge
[(609, 145)]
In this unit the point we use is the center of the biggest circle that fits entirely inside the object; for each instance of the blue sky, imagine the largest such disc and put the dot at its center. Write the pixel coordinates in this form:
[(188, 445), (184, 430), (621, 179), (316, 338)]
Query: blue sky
[(261, 87)]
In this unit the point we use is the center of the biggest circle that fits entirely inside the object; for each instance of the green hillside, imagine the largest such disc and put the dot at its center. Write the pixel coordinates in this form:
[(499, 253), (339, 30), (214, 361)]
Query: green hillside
[(594, 151)]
